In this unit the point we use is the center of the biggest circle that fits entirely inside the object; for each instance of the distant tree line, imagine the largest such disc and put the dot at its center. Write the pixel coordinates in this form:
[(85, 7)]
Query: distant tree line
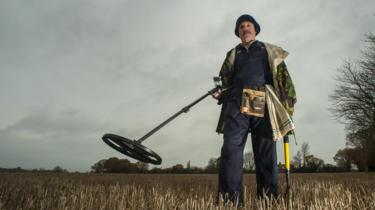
[(115, 165), (303, 162), (19, 169)]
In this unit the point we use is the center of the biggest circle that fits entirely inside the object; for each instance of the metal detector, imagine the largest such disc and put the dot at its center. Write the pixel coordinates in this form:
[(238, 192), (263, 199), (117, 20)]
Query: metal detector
[(135, 149)]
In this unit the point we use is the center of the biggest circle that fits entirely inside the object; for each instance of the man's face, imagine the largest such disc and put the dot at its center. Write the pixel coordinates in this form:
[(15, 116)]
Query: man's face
[(247, 32)]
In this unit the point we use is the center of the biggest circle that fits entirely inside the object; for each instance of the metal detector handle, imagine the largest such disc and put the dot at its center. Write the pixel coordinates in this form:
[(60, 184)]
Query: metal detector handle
[(183, 110)]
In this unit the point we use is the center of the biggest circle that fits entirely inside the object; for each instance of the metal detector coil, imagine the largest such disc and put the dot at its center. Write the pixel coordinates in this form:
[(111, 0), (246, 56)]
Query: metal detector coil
[(132, 148), (135, 149)]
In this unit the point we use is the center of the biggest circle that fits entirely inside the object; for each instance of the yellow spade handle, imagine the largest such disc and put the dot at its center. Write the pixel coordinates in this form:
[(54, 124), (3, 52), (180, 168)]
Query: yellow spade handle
[(286, 155)]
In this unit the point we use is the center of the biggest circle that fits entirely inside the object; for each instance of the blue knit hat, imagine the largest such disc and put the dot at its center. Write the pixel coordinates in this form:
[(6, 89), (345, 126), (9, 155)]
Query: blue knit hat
[(243, 18)]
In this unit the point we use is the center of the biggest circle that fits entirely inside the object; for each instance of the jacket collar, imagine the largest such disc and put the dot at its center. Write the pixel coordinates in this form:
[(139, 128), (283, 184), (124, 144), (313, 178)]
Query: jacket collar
[(276, 54)]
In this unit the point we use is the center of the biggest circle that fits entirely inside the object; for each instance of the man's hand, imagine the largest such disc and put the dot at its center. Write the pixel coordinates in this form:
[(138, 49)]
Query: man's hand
[(216, 95)]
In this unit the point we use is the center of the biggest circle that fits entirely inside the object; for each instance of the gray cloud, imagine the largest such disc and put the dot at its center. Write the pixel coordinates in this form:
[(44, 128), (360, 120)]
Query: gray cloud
[(71, 71), (47, 139)]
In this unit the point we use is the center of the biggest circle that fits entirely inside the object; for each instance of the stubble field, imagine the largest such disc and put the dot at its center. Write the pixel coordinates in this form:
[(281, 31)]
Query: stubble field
[(176, 191)]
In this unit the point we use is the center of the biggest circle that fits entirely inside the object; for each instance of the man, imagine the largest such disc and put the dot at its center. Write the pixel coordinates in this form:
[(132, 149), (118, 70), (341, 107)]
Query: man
[(248, 68)]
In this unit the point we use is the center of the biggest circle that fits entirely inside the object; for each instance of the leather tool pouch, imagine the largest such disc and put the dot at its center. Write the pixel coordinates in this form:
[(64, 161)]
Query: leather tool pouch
[(253, 101)]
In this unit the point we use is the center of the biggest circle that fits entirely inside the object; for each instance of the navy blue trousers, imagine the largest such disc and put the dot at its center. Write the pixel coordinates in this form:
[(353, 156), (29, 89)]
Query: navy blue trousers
[(231, 161)]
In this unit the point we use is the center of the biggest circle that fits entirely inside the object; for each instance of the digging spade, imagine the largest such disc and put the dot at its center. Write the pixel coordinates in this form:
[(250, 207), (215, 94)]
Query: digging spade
[(288, 191)]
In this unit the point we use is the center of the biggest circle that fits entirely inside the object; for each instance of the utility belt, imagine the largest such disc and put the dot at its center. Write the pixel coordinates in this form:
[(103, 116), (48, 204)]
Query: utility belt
[(253, 101)]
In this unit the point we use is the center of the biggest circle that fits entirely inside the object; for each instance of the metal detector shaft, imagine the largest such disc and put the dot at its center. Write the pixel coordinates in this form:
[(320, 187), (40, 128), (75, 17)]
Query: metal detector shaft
[(183, 110)]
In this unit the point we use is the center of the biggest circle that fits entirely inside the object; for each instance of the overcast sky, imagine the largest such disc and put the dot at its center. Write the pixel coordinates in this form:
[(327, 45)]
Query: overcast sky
[(73, 70)]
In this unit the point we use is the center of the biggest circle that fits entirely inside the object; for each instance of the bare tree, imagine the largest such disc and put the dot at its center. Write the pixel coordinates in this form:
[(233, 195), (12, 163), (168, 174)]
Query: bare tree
[(343, 159), (314, 163), (354, 97), (188, 165), (213, 165), (354, 102), (249, 161), (58, 169), (142, 166), (305, 151), (99, 167), (297, 160)]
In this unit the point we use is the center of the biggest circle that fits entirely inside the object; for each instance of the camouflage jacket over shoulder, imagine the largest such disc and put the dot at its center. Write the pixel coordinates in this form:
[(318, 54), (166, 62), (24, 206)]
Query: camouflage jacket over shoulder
[(282, 81)]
